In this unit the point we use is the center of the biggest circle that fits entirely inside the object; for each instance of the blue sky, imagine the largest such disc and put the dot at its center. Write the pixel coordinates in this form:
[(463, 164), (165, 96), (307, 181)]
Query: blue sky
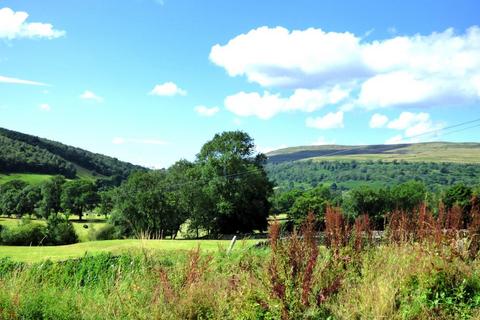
[(150, 81)]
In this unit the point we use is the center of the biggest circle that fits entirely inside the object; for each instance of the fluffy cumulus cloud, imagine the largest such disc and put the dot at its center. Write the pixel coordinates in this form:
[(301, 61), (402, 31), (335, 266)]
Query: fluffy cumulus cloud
[(89, 95), (168, 89), (441, 68), (14, 25), (378, 120), (4, 79), (206, 111), (329, 121), (415, 126), (267, 105), (120, 140)]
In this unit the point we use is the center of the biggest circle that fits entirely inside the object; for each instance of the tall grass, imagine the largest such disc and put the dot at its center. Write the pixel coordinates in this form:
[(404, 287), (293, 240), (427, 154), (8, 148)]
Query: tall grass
[(426, 267)]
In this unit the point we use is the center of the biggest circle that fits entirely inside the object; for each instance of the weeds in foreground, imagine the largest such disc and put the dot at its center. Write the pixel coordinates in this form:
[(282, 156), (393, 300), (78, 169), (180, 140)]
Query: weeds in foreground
[(427, 268)]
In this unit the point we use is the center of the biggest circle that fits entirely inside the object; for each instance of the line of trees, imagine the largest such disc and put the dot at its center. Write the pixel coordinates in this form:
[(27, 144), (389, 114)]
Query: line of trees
[(209, 193), (17, 198), (377, 202), (225, 190)]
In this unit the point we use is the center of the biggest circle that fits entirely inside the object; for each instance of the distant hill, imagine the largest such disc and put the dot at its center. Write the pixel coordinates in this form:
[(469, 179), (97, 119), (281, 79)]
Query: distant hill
[(437, 164), (23, 153), (427, 152)]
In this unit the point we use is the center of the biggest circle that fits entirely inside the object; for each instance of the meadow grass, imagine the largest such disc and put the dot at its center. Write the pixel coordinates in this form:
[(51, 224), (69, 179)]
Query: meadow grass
[(91, 221), (30, 178), (39, 253)]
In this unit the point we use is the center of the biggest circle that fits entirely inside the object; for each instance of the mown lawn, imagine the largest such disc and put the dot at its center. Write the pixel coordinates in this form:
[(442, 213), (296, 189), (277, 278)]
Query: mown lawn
[(35, 254)]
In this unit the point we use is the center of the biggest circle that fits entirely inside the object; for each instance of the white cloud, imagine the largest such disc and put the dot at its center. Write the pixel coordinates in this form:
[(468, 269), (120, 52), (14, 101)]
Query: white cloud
[(321, 141), (120, 140), (408, 119), (206, 111), (329, 121), (44, 107), (378, 120), (167, 89), (278, 57), (89, 95), (4, 79), (14, 25), (268, 105), (395, 139), (442, 68), (415, 126)]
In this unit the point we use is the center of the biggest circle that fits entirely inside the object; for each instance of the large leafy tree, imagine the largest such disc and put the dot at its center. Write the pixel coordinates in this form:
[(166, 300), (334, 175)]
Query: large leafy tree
[(235, 183), (142, 205), (78, 196), (313, 201), (368, 200), (408, 196), (182, 194), (29, 199), (51, 196), (10, 195)]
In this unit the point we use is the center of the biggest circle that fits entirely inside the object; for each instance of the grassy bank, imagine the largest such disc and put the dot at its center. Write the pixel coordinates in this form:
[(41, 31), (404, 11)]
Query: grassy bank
[(406, 281), (36, 254)]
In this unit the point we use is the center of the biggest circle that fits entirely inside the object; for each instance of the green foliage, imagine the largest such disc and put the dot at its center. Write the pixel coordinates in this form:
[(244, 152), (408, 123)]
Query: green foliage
[(240, 201), (142, 206), (314, 201), (51, 196), (78, 196), (345, 174), (25, 153), (448, 292), (25, 234), (60, 231), (367, 200), (225, 190), (459, 195), (408, 196), (10, 197), (106, 232)]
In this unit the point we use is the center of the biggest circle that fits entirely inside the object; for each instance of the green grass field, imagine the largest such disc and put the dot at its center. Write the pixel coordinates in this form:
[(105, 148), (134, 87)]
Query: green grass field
[(82, 232), (35, 254), (31, 178)]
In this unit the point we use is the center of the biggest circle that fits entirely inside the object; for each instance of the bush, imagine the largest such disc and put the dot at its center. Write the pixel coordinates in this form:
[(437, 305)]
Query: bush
[(25, 234), (60, 231), (107, 232)]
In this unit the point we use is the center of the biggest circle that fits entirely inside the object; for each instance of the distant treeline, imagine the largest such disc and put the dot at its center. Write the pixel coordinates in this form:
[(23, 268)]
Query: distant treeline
[(346, 174), (25, 153)]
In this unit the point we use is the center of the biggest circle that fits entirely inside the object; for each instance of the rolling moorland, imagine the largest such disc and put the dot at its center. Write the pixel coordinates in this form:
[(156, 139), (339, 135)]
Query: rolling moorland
[(117, 264), (437, 164)]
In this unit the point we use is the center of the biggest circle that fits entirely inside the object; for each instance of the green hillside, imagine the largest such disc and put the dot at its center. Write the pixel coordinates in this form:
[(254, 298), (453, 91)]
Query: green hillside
[(437, 164), (34, 159), (427, 152)]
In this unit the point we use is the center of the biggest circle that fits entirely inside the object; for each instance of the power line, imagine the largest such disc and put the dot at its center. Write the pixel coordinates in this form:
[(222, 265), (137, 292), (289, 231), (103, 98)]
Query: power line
[(254, 170)]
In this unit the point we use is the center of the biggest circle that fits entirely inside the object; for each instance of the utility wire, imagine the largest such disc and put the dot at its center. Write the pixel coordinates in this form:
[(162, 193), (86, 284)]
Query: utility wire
[(254, 170)]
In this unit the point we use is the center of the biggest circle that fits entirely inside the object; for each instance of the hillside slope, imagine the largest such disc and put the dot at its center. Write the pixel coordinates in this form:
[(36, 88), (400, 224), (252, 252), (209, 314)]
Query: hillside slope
[(437, 164), (427, 152), (21, 153)]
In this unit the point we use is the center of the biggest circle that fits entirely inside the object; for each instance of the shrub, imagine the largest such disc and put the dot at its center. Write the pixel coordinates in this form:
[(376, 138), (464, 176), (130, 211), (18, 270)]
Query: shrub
[(25, 234), (60, 231), (107, 232)]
